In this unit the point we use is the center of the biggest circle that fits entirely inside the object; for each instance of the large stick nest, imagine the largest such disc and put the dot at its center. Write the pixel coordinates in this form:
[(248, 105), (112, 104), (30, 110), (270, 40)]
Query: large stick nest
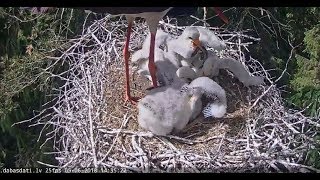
[(94, 127)]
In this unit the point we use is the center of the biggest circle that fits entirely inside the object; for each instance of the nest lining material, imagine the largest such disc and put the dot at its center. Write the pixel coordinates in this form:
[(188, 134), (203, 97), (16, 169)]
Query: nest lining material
[(92, 126)]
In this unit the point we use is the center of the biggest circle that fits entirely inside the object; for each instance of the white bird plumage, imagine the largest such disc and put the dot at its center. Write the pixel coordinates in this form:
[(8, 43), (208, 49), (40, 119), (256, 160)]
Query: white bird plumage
[(215, 95), (179, 52), (209, 39), (166, 67), (167, 109), (213, 64), (186, 73), (186, 54), (183, 47)]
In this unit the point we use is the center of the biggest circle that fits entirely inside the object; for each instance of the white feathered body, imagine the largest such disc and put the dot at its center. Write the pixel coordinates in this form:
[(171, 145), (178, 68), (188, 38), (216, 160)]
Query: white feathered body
[(213, 64), (166, 109), (217, 106)]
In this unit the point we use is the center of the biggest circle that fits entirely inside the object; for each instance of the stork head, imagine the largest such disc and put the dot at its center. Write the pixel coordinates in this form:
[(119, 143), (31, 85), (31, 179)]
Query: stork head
[(187, 44), (186, 73), (192, 92), (192, 34)]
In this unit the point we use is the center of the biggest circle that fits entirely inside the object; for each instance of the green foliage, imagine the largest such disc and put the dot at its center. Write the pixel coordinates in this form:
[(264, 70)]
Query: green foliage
[(278, 27), (311, 40), (19, 92), (306, 74), (313, 156), (306, 82), (23, 85), (307, 98), (21, 138), (300, 19), (301, 26)]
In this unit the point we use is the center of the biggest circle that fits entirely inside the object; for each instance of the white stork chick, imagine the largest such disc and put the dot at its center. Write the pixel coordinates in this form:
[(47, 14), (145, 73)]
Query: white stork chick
[(209, 39), (183, 51), (215, 95), (213, 64), (167, 109), (186, 73), (162, 39), (167, 63), (166, 68), (182, 45)]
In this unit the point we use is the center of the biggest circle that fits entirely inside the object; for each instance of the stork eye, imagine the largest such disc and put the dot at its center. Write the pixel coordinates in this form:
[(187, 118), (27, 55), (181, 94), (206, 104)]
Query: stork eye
[(190, 38)]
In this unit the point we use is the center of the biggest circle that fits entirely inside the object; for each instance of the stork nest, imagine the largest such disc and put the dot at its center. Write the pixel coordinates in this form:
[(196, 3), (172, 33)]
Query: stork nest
[(92, 125)]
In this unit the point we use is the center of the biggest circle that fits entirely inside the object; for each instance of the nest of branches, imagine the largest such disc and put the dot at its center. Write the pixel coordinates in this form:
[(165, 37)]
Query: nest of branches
[(92, 126)]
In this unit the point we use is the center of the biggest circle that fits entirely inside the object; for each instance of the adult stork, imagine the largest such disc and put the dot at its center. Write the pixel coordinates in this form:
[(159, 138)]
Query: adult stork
[(152, 15)]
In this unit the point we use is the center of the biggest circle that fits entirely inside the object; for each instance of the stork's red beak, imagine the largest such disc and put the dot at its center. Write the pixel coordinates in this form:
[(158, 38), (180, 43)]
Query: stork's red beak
[(220, 14)]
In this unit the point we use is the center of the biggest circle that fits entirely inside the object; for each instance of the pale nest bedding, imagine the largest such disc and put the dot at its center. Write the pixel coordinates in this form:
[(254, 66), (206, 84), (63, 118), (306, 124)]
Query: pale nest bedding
[(94, 127)]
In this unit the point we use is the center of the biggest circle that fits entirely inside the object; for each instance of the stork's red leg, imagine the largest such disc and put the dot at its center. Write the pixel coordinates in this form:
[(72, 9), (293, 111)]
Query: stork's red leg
[(126, 55), (220, 14), (151, 65)]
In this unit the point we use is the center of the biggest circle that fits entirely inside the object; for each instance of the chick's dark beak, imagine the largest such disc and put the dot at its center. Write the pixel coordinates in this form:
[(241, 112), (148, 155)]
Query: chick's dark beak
[(196, 43)]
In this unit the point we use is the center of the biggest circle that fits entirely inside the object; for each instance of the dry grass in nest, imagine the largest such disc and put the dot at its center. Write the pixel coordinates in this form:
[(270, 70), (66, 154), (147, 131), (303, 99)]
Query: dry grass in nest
[(199, 130)]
